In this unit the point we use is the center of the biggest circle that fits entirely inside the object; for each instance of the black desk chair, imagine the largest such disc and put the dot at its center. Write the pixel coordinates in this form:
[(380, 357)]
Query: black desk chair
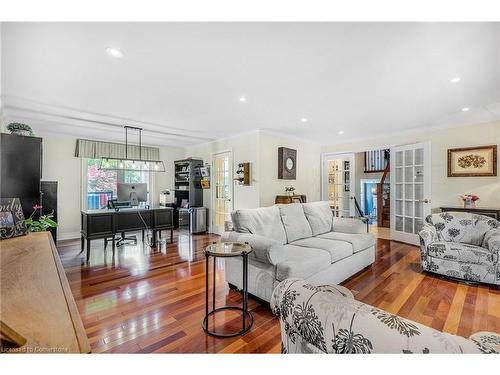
[(123, 240)]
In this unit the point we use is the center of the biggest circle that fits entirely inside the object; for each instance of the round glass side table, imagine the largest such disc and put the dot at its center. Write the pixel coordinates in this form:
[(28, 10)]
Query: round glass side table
[(227, 250)]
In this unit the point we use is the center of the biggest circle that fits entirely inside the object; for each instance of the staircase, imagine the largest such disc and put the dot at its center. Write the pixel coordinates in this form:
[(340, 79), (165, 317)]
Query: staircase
[(384, 201)]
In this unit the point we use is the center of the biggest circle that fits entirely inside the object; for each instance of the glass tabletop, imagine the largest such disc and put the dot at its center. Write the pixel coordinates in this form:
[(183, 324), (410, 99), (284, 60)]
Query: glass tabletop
[(228, 249)]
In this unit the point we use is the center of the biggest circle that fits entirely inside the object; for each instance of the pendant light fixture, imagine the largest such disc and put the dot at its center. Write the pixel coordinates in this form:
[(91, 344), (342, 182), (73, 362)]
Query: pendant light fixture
[(131, 164)]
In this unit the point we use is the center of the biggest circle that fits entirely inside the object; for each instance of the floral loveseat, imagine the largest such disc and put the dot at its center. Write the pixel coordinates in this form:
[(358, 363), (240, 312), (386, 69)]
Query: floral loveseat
[(327, 319), (461, 245)]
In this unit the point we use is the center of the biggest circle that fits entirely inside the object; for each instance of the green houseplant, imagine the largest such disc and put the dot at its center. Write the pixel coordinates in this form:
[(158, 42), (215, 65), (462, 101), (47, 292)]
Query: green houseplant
[(21, 129), (43, 223)]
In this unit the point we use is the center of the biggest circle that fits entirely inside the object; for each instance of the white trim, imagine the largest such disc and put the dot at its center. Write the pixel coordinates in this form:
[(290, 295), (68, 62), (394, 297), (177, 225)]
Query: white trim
[(229, 151), (68, 236)]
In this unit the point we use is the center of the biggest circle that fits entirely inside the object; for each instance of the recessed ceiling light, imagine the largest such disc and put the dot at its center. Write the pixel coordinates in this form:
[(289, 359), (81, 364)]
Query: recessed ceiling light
[(341, 132), (243, 99), (465, 109), (455, 80), (115, 52), (303, 119)]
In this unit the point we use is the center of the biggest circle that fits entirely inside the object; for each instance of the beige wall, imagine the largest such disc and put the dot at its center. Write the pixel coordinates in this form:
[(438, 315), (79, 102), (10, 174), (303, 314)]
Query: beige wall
[(59, 164), (308, 180), (445, 190)]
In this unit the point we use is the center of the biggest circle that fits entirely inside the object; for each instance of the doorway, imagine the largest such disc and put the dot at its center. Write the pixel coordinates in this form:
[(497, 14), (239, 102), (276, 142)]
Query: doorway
[(338, 183), (222, 190), (411, 184)]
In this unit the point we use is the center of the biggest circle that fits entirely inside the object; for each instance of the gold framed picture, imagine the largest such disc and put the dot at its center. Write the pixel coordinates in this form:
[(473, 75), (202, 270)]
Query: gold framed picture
[(472, 161)]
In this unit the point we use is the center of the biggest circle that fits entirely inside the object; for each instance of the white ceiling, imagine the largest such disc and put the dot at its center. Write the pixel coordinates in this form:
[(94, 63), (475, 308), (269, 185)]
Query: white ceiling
[(182, 81)]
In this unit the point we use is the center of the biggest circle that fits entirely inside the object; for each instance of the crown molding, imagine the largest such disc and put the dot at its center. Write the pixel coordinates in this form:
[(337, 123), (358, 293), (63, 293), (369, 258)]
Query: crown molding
[(44, 115)]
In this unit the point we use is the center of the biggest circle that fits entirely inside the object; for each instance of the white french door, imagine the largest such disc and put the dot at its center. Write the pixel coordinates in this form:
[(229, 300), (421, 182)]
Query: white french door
[(222, 190), (338, 183), (410, 190)]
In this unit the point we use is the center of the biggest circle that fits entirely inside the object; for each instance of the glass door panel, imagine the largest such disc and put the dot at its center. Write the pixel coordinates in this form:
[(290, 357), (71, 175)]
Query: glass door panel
[(338, 184), (412, 191), (222, 190)]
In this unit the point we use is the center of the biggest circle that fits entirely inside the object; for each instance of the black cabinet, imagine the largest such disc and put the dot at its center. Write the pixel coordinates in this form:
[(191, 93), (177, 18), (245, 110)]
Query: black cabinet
[(49, 203), (21, 169), (491, 212)]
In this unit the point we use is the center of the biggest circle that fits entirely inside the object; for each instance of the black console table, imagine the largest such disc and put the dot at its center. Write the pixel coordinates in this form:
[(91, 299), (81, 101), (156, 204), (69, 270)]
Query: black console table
[(491, 212), (106, 223)]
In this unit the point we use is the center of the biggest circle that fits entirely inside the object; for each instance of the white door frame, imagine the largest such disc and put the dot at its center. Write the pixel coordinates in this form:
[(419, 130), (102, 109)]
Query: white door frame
[(324, 175), (427, 193), (213, 228)]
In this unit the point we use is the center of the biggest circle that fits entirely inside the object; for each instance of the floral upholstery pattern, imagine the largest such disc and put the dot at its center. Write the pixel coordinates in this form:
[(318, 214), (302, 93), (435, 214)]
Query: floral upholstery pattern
[(326, 319), (461, 245)]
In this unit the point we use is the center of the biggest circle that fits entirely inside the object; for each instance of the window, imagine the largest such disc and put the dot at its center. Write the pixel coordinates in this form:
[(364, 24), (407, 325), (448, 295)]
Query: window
[(102, 185)]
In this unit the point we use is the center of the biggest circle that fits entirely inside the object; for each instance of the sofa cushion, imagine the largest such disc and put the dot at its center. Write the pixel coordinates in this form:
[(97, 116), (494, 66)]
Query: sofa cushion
[(359, 242), (294, 221), (302, 262), (348, 225), (338, 249), (460, 252), (265, 222), (319, 215)]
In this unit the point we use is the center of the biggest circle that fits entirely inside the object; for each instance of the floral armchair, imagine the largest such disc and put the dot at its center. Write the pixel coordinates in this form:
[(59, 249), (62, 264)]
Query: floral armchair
[(461, 245), (327, 319)]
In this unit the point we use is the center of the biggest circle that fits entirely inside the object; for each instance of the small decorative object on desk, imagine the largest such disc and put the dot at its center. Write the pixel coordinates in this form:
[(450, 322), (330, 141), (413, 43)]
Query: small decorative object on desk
[(289, 190), (20, 129), (11, 218), (43, 223), (469, 200)]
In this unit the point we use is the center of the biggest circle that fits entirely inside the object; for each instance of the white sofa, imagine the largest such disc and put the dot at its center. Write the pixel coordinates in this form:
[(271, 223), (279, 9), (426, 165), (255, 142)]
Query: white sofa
[(297, 241)]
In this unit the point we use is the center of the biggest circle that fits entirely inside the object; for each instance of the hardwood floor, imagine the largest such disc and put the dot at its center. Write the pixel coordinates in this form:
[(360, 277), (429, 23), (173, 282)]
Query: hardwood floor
[(145, 300)]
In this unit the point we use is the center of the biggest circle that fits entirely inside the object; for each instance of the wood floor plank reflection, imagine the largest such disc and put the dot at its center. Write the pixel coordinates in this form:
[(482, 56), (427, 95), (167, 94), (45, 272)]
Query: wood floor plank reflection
[(153, 301)]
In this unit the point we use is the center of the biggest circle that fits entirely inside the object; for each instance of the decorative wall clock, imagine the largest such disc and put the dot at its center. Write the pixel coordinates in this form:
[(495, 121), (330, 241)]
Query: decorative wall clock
[(287, 163)]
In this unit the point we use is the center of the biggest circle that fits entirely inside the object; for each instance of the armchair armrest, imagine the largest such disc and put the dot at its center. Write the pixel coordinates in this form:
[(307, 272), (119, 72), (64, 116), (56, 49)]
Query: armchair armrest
[(491, 242), (427, 236), (347, 225), (264, 249)]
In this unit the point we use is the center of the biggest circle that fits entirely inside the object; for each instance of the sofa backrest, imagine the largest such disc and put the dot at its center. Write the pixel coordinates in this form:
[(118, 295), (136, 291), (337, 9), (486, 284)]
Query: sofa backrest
[(463, 227), (294, 221), (319, 215), (264, 221), (320, 319)]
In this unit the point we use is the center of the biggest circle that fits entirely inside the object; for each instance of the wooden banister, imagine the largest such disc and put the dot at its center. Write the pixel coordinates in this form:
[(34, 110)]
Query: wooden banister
[(380, 200)]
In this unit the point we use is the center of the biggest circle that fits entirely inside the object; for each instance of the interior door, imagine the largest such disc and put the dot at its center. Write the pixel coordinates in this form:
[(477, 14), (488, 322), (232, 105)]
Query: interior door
[(410, 190), (222, 190), (338, 184)]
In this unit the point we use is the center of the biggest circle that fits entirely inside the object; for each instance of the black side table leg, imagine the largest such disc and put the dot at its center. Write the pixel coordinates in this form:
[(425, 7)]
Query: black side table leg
[(245, 288), (88, 250), (213, 287), (82, 245), (206, 290)]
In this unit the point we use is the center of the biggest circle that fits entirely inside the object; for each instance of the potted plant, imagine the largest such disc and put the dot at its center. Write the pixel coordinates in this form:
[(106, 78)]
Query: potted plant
[(20, 129), (289, 190), (469, 200), (43, 223)]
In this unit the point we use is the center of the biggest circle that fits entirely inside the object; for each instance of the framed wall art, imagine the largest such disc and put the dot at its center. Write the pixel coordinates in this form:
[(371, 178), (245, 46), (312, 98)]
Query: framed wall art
[(478, 161), (11, 218), (287, 163)]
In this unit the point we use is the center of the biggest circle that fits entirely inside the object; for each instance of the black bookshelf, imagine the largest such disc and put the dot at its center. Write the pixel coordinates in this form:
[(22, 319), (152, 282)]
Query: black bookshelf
[(188, 191)]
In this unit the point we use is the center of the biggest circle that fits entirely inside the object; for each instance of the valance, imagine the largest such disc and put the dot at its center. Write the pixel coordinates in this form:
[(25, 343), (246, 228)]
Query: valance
[(86, 148)]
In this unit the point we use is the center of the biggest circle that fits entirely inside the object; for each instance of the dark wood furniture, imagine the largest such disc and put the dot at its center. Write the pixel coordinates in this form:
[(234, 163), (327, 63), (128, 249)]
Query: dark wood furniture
[(188, 191), (37, 302), (21, 169), (491, 212), (106, 223), (286, 199), (49, 203)]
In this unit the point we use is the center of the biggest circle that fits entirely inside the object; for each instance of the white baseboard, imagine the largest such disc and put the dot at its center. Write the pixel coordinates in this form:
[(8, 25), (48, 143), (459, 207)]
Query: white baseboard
[(68, 236)]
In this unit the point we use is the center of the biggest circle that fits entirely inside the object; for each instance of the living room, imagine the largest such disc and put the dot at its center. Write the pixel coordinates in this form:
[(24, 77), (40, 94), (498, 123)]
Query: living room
[(250, 187)]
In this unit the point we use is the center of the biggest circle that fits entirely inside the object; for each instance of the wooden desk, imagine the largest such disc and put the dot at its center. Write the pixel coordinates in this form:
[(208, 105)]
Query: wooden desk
[(36, 299), (106, 223), (491, 212)]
